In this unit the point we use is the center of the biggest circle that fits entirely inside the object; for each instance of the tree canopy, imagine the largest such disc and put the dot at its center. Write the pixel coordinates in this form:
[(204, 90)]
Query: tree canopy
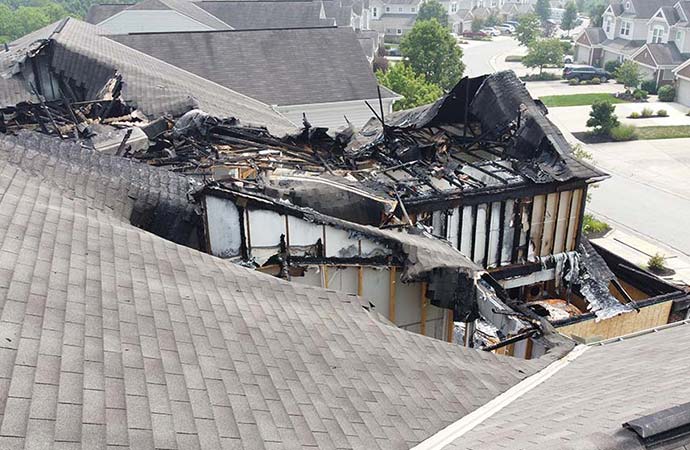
[(569, 17), (628, 73), (543, 52), (595, 10), (543, 9), (528, 29), (433, 10), (404, 81), (432, 51)]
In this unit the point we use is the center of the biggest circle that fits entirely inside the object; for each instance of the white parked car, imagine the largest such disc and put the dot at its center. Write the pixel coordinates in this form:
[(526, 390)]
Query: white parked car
[(490, 31), (506, 28)]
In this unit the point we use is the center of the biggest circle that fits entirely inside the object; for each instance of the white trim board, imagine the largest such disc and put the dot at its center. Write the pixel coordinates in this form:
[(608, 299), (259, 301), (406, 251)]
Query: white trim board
[(466, 424)]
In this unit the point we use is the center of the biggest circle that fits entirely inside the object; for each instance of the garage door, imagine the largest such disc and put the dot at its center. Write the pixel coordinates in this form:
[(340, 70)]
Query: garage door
[(683, 94)]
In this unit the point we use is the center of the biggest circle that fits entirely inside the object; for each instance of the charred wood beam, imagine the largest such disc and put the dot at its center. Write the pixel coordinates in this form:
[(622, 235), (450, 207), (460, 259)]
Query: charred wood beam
[(512, 340)]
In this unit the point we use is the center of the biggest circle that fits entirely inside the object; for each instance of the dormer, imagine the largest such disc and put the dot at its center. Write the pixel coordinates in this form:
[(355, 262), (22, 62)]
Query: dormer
[(628, 7), (659, 27), (609, 22)]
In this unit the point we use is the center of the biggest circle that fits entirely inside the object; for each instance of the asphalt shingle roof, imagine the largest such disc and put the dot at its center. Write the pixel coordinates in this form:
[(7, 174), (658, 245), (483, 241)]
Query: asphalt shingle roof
[(666, 54), (645, 9), (98, 13), (186, 7), (113, 337), (584, 404), (155, 87), (254, 15), (278, 67)]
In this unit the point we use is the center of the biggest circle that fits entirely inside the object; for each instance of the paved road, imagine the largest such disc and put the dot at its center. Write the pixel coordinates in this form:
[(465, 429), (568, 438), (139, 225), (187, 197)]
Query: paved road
[(477, 55), (648, 192)]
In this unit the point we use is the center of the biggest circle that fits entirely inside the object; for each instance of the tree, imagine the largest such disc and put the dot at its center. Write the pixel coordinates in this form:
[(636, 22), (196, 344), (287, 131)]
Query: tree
[(433, 10), (542, 52), (432, 51), (543, 9), (403, 80), (569, 17), (628, 73), (527, 29), (493, 19), (602, 118), (595, 10)]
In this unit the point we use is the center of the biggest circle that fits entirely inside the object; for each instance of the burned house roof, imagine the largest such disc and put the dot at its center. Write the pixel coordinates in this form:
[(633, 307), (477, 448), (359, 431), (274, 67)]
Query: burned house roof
[(277, 67), (584, 405), (112, 336), (254, 15), (79, 53)]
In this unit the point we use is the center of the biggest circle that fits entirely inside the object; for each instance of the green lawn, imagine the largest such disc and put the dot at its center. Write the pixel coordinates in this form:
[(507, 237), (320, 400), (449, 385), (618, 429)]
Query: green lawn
[(664, 132), (578, 99)]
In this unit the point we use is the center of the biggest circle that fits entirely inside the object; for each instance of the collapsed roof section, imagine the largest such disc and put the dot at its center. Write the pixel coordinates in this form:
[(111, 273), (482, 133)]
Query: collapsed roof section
[(73, 60)]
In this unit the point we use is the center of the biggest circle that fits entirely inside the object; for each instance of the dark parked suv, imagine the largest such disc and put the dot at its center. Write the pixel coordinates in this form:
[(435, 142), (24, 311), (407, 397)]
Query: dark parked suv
[(585, 73)]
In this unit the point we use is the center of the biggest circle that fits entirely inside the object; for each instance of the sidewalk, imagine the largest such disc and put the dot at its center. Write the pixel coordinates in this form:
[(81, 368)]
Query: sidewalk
[(638, 251)]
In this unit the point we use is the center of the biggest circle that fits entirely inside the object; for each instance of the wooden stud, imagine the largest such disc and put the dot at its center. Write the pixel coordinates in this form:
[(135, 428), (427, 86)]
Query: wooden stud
[(391, 293), (422, 326), (528, 349), (324, 268), (451, 325), (360, 280)]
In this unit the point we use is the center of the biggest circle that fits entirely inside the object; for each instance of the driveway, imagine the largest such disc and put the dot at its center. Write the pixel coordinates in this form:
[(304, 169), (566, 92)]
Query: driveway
[(574, 118), (478, 55), (648, 192), (559, 87)]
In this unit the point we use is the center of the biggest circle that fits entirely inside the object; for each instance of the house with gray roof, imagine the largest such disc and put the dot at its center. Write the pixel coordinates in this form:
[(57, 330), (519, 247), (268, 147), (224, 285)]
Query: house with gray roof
[(320, 72), (654, 34)]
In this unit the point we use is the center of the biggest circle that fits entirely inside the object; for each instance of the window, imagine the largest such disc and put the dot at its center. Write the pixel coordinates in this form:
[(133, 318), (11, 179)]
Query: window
[(607, 25), (400, 9), (374, 12), (453, 7), (625, 28), (413, 9), (627, 5), (388, 9), (657, 34), (679, 38), (399, 31)]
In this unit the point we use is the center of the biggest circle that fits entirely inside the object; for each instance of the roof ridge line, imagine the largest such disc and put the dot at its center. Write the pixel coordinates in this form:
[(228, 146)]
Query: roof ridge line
[(467, 423)]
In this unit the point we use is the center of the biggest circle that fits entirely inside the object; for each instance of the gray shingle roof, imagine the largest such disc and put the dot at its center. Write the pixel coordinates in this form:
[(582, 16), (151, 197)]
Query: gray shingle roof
[(278, 67), (584, 404), (98, 13), (645, 9), (596, 35), (666, 54), (153, 86), (112, 336), (253, 15)]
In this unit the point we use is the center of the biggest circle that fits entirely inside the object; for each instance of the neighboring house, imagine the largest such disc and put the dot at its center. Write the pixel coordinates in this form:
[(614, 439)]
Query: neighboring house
[(461, 21), (322, 72), (682, 74), (255, 15), (513, 10), (654, 34), (393, 18)]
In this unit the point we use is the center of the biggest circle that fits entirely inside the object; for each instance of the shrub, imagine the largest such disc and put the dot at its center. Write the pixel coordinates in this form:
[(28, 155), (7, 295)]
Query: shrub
[(647, 112), (596, 80), (584, 82), (662, 113), (649, 86), (656, 263), (513, 58), (623, 133), (602, 118), (611, 66), (590, 225), (634, 115), (639, 94), (544, 76), (666, 93), (573, 82)]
